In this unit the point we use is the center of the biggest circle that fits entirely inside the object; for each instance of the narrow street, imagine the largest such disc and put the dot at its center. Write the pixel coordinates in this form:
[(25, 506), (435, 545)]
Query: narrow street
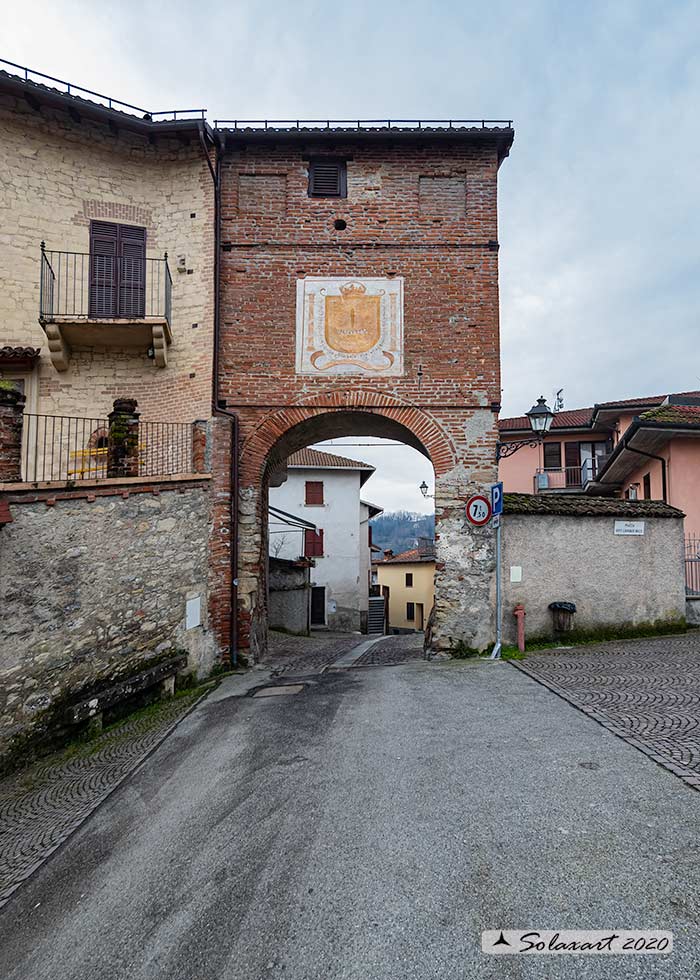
[(369, 826)]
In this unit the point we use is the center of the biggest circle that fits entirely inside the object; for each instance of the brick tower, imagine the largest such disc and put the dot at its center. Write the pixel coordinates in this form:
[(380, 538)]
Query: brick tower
[(359, 296)]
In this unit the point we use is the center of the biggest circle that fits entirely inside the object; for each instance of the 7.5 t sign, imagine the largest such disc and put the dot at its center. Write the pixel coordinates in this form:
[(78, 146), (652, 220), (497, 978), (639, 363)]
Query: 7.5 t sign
[(478, 510)]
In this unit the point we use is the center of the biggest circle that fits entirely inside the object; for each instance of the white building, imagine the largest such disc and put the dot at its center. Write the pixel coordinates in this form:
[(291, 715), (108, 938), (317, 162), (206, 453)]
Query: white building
[(324, 490)]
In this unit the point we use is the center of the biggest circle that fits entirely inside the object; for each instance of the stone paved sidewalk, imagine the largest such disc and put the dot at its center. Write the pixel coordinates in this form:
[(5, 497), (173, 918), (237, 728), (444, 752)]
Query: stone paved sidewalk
[(42, 805), (393, 650), (645, 691), (288, 654)]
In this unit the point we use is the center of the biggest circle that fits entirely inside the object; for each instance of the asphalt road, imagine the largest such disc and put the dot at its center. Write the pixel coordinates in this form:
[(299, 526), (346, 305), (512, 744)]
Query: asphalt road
[(369, 828)]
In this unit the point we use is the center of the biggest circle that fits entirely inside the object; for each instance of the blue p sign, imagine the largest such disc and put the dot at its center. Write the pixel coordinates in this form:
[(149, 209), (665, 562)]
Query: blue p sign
[(497, 498)]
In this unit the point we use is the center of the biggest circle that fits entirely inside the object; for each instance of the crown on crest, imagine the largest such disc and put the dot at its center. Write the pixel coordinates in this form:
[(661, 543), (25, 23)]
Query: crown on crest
[(353, 289)]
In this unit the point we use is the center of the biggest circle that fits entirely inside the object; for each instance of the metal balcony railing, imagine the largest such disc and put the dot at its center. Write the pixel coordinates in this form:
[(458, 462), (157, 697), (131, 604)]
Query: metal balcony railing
[(592, 467), (568, 477), (692, 565), (70, 88), (563, 478), (103, 287), (65, 449), (292, 125)]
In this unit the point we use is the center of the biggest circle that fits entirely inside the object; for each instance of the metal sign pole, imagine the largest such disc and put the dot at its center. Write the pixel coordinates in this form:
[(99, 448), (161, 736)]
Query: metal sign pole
[(496, 652)]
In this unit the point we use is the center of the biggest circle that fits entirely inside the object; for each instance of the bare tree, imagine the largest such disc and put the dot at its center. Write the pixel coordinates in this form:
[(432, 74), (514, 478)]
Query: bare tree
[(277, 545)]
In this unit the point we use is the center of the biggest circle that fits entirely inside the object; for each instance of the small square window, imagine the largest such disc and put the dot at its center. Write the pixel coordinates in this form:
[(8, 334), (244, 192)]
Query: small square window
[(328, 178), (409, 580)]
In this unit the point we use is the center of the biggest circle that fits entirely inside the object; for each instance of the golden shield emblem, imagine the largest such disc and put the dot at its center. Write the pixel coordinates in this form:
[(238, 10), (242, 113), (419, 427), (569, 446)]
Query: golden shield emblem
[(353, 321)]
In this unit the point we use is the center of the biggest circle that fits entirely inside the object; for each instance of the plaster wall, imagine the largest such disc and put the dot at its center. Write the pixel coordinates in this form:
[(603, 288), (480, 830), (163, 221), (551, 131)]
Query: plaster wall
[(612, 579), (422, 591), (339, 569)]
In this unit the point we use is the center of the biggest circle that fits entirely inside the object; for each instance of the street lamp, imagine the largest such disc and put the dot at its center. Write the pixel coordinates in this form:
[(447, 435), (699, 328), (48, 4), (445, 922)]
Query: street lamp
[(540, 418), (424, 490)]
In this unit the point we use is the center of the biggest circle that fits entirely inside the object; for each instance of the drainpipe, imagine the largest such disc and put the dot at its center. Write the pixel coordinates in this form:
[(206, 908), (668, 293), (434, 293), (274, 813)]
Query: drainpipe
[(640, 452), (216, 408)]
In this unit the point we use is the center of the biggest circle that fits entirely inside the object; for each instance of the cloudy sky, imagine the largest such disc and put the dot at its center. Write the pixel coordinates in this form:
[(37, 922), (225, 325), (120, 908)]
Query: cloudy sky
[(598, 201)]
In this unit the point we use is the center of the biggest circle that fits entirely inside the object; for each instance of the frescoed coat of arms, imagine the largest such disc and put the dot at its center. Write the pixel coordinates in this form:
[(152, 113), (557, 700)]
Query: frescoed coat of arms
[(349, 326)]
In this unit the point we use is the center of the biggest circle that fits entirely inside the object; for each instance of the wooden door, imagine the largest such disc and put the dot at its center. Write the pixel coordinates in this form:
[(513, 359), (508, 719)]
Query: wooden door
[(318, 605)]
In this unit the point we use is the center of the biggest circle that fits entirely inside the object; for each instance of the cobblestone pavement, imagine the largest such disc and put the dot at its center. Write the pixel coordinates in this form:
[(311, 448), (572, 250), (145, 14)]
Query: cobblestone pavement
[(307, 654), (645, 691), (42, 805), (393, 650)]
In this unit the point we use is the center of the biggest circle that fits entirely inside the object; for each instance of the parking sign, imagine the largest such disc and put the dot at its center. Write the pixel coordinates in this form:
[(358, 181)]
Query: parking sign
[(497, 498)]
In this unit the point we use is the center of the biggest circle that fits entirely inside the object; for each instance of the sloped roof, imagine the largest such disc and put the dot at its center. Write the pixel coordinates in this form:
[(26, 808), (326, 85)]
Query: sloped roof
[(578, 505), (575, 418), (674, 414), (411, 556), (649, 400), (314, 458)]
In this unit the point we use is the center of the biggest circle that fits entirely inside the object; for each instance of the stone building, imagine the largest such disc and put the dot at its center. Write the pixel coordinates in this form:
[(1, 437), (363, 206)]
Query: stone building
[(100, 312), (107, 554), (359, 296)]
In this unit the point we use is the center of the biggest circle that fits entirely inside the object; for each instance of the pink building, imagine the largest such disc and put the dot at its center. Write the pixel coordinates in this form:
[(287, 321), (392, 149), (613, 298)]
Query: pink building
[(639, 448)]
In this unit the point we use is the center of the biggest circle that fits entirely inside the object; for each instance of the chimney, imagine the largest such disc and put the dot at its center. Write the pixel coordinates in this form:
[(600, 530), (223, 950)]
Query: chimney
[(388, 553)]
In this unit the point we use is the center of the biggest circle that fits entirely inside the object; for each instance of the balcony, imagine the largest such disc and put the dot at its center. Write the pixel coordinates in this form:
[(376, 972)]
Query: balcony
[(571, 478), (105, 301), (558, 480)]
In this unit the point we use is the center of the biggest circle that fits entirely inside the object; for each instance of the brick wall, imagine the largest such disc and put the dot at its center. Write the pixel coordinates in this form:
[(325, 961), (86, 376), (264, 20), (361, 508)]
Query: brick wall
[(58, 174), (422, 210)]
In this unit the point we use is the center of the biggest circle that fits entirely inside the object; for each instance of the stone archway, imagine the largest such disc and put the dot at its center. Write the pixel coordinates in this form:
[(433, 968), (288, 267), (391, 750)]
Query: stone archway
[(465, 559)]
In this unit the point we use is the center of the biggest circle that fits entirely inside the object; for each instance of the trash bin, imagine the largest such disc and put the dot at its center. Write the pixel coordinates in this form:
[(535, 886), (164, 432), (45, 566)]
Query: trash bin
[(563, 616)]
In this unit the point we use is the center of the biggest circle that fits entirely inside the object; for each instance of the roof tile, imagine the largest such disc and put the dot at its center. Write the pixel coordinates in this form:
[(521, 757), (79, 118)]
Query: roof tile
[(578, 505), (315, 458)]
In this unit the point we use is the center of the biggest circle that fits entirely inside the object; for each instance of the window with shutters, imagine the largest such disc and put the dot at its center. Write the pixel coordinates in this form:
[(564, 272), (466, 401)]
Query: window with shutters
[(314, 493), (313, 544), (328, 178), (552, 455), (410, 611), (117, 270)]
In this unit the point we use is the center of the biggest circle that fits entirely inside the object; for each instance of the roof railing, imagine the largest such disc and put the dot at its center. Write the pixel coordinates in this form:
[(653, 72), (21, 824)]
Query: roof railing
[(30, 75), (360, 124)]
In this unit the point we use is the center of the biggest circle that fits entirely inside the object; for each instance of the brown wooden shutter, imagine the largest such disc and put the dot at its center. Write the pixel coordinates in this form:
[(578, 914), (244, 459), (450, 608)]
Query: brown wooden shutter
[(328, 178), (104, 250), (132, 271), (314, 492), (117, 270), (313, 544), (552, 455)]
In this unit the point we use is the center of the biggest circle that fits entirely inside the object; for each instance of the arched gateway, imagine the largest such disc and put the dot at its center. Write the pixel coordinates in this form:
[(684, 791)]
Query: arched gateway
[(359, 296)]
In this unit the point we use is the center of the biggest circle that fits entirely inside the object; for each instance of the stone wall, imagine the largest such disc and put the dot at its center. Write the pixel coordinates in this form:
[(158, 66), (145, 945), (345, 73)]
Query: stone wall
[(290, 591), (94, 583), (58, 175), (613, 579)]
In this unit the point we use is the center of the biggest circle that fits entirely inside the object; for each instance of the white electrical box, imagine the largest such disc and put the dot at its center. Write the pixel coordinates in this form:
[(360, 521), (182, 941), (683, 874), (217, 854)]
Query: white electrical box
[(193, 612)]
